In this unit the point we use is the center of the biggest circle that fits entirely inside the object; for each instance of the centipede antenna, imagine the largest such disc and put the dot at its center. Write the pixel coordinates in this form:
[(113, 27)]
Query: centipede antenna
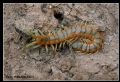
[(29, 45)]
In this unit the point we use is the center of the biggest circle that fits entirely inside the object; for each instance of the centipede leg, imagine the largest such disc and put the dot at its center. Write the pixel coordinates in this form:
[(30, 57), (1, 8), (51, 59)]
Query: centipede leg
[(39, 51), (46, 48), (60, 45), (53, 47), (40, 32), (54, 50), (72, 40), (49, 33), (63, 44), (71, 52)]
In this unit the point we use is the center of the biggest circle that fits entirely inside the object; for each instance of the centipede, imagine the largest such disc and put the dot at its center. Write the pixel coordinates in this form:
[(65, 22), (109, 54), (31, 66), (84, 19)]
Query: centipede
[(80, 36)]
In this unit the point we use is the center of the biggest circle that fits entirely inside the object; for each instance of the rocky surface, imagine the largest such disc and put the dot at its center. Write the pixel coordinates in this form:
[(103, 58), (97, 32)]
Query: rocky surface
[(62, 65)]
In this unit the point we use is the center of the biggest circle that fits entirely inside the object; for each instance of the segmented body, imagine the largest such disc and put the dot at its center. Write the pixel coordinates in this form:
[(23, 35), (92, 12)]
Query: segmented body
[(80, 36)]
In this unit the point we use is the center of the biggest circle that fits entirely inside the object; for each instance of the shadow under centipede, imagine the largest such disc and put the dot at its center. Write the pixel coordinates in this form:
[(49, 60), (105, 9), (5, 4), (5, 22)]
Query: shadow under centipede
[(65, 50)]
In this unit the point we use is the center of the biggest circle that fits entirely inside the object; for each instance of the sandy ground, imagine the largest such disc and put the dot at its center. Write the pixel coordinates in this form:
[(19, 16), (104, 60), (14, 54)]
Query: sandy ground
[(65, 65)]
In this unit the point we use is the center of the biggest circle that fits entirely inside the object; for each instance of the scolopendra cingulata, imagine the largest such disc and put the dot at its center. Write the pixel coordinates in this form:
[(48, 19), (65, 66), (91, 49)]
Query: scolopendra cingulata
[(80, 36)]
